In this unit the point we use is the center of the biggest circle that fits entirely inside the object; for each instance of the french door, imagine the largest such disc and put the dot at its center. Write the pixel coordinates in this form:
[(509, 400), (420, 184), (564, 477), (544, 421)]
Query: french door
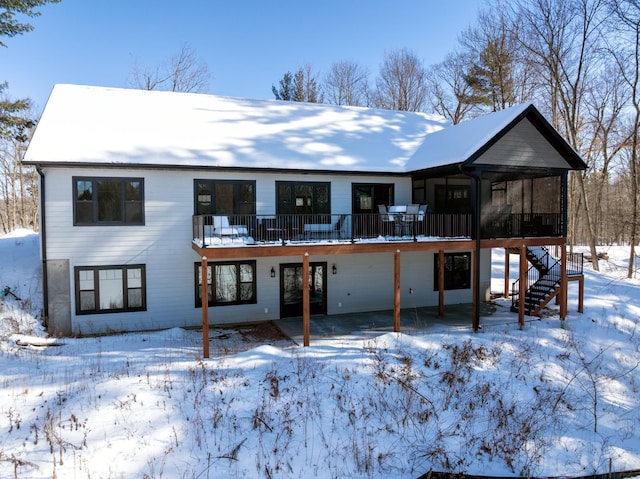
[(291, 289), (366, 198)]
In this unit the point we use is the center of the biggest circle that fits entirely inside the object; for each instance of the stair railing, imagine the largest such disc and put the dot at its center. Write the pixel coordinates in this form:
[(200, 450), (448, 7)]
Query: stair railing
[(535, 275)]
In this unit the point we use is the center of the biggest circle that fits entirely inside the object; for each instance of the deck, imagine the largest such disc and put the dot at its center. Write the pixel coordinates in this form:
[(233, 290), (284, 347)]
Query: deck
[(273, 230)]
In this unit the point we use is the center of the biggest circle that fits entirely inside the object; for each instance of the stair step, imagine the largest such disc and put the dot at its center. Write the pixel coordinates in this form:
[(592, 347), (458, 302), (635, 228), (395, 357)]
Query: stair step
[(541, 290)]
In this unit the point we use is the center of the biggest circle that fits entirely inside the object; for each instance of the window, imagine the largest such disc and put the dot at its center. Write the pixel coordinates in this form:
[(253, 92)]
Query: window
[(223, 197), (228, 283), (367, 196), (452, 199), (457, 271), (108, 201), (303, 198), (110, 289)]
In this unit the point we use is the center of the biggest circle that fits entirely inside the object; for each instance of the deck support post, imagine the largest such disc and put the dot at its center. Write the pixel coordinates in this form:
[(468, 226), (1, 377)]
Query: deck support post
[(507, 256), (306, 312), (563, 282), (205, 308), (522, 291), (396, 291), (475, 310), (441, 283), (581, 294)]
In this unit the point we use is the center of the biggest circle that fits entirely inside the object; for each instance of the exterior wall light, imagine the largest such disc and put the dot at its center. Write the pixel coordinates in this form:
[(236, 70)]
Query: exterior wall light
[(273, 272), (334, 270)]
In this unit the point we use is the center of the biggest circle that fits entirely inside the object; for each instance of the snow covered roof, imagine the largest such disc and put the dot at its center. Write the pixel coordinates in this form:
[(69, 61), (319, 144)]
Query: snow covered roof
[(84, 124), (87, 125), (458, 143)]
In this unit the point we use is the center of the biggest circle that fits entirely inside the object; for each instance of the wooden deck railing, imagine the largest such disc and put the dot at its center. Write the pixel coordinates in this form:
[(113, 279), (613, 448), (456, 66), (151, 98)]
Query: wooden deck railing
[(211, 230), (522, 225)]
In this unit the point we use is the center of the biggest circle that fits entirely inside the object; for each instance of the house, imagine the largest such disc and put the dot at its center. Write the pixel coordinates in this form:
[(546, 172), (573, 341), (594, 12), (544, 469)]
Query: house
[(144, 194)]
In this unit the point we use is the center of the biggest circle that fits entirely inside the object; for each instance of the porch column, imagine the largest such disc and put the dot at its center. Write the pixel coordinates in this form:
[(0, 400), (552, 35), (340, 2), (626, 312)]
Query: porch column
[(306, 312), (507, 256), (396, 291), (581, 295), (522, 291), (475, 310), (205, 308), (563, 282), (441, 283)]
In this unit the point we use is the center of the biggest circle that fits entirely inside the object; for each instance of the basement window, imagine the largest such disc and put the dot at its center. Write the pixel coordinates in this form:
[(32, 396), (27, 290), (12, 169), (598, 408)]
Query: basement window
[(232, 282), (110, 289)]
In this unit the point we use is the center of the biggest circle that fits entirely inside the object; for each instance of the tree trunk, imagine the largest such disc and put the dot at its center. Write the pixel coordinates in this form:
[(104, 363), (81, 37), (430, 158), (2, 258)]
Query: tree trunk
[(590, 235)]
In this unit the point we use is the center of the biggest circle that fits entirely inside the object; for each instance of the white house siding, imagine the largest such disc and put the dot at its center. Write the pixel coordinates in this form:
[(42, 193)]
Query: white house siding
[(523, 146), (163, 245), (364, 282)]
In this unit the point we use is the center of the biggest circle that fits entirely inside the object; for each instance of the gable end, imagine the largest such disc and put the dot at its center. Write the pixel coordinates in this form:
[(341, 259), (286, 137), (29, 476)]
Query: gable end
[(528, 141), (523, 146)]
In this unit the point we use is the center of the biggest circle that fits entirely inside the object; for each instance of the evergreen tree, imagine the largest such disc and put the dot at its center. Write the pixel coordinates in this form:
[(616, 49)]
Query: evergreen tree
[(14, 119), (285, 92), (303, 87), (490, 78), (9, 25), (13, 114), (298, 86)]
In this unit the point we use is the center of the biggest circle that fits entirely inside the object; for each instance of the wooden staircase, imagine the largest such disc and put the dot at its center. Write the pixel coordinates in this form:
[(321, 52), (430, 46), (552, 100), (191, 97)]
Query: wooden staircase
[(543, 280)]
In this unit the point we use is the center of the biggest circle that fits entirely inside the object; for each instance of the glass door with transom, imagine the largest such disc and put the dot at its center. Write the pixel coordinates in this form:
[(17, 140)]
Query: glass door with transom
[(366, 198), (291, 289), (298, 203)]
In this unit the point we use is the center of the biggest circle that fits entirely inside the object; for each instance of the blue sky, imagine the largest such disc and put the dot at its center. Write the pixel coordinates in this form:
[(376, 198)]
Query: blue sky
[(247, 44)]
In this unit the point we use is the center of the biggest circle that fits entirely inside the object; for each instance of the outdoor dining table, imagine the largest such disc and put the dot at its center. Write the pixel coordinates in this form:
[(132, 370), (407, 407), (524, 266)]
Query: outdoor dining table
[(397, 212)]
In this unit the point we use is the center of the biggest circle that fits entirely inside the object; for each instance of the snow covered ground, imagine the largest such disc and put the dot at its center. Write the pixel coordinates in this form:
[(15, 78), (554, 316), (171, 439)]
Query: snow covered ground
[(542, 401)]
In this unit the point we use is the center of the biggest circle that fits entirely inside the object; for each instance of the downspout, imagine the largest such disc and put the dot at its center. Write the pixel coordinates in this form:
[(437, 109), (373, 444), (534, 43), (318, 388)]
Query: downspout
[(565, 205), (476, 189), (43, 249)]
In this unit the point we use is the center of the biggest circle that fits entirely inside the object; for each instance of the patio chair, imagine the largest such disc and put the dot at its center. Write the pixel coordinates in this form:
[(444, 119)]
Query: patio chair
[(410, 217), (421, 224), (386, 218)]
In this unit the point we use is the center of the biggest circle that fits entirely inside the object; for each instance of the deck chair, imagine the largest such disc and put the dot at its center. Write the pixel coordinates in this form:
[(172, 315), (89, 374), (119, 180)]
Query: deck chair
[(386, 218), (410, 217), (221, 227), (412, 212)]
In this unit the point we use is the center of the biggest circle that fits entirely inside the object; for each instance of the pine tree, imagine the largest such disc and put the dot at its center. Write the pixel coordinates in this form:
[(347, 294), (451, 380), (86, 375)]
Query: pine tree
[(301, 87), (13, 119), (9, 25), (286, 86)]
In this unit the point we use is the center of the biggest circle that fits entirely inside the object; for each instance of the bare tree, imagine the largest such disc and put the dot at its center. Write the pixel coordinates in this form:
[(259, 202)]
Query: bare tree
[(183, 72), (402, 83), (346, 84), (18, 187), (604, 102), (562, 38), (626, 52), (448, 89)]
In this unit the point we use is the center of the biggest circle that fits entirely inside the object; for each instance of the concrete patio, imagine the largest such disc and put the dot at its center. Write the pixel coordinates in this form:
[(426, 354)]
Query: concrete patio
[(412, 321)]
